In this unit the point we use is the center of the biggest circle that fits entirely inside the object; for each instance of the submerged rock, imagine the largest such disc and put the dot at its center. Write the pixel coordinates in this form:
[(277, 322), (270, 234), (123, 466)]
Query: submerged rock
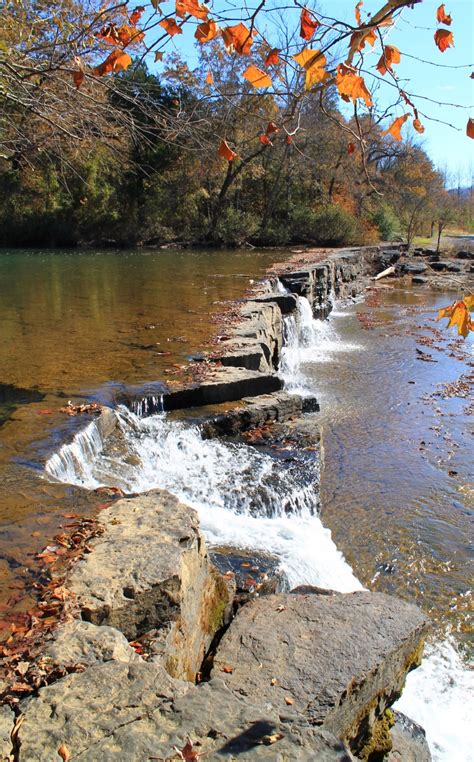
[(337, 660), (150, 569)]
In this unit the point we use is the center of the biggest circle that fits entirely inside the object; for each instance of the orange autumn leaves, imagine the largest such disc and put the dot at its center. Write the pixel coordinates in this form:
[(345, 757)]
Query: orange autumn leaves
[(458, 314), (444, 39)]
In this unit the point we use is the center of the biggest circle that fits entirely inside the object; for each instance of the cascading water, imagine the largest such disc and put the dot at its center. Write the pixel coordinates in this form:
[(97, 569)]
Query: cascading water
[(245, 498), (74, 462)]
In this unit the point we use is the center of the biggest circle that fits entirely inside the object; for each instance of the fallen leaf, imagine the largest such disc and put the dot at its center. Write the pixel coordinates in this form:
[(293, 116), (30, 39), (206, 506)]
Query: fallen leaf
[(273, 681), (257, 77), (441, 16), (444, 39), (308, 25), (271, 739), (187, 752), (265, 140), (289, 701), (64, 752), (227, 669)]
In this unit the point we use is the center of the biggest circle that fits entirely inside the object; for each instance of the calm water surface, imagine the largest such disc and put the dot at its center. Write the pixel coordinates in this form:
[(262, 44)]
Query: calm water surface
[(84, 324)]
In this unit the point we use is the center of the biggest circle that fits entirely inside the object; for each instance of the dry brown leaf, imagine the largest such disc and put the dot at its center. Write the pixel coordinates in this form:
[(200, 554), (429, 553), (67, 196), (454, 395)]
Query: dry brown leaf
[(64, 752)]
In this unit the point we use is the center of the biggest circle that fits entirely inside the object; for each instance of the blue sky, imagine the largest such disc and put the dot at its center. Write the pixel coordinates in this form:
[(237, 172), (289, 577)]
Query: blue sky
[(425, 72)]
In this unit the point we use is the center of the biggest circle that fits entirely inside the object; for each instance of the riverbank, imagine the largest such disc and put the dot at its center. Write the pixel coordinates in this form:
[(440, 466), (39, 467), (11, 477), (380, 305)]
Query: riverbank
[(262, 345)]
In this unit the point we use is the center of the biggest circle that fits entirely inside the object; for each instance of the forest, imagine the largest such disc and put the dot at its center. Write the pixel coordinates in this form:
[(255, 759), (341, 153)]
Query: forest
[(131, 160)]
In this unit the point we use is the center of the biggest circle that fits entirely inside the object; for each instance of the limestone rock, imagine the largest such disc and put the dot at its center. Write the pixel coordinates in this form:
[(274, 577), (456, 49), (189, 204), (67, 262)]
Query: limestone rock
[(446, 265), (340, 659), (149, 569), (7, 720), (413, 268), (409, 741), (116, 712), (79, 642)]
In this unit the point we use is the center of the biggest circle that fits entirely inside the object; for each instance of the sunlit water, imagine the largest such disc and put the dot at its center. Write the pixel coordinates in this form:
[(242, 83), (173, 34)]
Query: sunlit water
[(388, 496)]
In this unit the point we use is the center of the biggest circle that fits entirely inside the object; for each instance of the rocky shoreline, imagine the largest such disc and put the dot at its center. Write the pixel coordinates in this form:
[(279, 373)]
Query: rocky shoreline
[(161, 655)]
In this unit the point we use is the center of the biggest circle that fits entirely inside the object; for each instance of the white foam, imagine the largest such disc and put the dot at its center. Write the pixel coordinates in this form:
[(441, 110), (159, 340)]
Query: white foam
[(439, 696)]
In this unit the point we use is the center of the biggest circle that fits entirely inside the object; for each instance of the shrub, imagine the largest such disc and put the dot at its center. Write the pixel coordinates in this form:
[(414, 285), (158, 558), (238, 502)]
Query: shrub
[(386, 221), (329, 225), (235, 227)]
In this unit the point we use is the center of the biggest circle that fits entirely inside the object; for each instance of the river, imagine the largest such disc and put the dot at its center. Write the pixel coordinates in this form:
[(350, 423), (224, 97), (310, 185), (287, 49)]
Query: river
[(397, 490)]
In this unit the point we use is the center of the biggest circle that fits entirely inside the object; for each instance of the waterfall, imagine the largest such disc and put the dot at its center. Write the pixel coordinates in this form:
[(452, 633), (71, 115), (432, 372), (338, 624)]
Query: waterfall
[(74, 462)]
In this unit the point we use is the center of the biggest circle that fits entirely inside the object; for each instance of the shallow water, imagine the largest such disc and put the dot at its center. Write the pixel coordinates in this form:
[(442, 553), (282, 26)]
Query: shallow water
[(83, 325)]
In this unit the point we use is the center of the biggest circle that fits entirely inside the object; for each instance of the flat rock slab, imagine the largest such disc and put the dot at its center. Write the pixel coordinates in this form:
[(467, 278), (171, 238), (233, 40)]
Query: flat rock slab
[(150, 570), (223, 385), (117, 712), (339, 660)]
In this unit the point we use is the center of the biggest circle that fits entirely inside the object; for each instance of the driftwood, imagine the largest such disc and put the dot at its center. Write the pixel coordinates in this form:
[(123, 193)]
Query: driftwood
[(389, 271)]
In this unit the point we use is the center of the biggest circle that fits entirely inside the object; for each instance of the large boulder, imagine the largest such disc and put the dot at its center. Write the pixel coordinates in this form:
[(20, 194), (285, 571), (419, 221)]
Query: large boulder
[(339, 660), (150, 570), (445, 265), (117, 712)]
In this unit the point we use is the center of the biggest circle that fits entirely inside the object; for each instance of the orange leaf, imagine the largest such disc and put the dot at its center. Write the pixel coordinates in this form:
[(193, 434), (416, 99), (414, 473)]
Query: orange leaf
[(350, 148), (350, 85), (193, 7), (64, 752), (289, 701), (390, 56), (289, 140), (272, 128), (272, 57), (308, 25), (170, 26), (358, 39), (158, 56), (209, 78), (418, 126), (129, 34), (116, 61), (444, 39), (108, 34), (237, 38), (313, 61), (265, 140), (458, 314), (257, 77), (357, 12), (78, 78), (228, 669), (206, 32), (441, 16), (395, 127), (226, 151), (136, 14), (470, 128)]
